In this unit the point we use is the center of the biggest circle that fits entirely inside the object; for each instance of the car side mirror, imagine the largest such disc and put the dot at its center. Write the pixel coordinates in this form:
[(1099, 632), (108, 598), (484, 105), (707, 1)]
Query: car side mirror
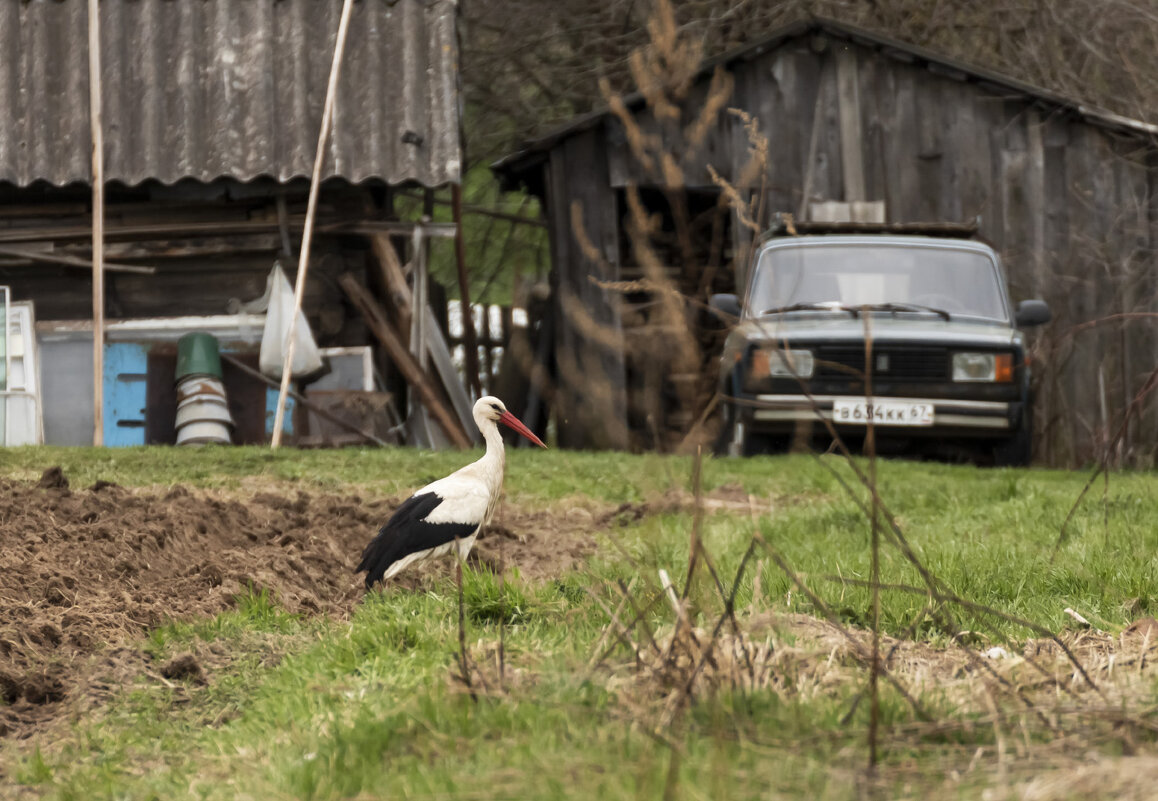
[(1031, 313), (726, 306)]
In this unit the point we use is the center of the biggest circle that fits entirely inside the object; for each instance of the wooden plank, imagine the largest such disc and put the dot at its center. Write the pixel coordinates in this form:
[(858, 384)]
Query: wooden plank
[(1011, 231), (1080, 264), (806, 104), (159, 230), (1035, 200), (873, 128), (406, 363), (902, 175), (393, 279), (198, 247), (591, 404), (1136, 344), (930, 150), (851, 134), (72, 261), (828, 171), (1052, 408), (439, 353), (948, 109), (973, 155)]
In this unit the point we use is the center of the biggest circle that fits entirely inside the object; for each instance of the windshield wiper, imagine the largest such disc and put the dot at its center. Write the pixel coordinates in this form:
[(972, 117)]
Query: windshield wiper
[(830, 306), (909, 307)]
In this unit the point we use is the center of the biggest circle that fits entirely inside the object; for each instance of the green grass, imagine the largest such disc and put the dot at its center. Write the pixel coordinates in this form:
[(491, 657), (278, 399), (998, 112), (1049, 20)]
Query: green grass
[(368, 707), (611, 478)]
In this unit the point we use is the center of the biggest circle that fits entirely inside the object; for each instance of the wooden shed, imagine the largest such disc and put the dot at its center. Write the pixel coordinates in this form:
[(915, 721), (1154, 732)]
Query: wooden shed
[(211, 116), (1064, 191)]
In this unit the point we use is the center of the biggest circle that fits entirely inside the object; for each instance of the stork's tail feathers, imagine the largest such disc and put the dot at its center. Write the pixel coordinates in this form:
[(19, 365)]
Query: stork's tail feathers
[(376, 558)]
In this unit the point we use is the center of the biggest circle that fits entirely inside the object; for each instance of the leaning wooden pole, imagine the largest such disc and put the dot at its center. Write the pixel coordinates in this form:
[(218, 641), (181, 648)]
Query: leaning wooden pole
[(311, 210), (98, 224), (469, 340)]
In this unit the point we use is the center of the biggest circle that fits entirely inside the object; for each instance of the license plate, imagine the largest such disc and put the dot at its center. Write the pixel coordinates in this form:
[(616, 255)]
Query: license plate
[(856, 411)]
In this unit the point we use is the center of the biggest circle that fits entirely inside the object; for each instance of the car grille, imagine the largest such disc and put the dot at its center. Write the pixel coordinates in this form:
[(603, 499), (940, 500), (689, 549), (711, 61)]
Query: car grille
[(900, 363)]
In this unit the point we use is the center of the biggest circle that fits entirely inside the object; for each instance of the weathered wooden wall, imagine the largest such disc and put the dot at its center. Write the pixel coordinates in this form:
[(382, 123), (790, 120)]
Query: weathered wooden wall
[(1067, 197), (590, 397)]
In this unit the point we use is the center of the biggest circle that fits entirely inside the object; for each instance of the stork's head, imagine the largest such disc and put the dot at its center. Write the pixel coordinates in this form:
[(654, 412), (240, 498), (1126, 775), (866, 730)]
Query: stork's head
[(489, 410)]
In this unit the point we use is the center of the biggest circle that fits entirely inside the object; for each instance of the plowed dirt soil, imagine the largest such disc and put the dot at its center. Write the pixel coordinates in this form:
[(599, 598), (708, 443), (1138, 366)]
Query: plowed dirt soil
[(85, 571)]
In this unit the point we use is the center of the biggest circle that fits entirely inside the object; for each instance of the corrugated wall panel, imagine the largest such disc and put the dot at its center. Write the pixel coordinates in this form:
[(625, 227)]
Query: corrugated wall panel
[(219, 88)]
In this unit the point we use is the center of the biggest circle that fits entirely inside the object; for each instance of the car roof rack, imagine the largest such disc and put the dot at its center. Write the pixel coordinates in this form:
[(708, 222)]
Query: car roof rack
[(784, 225)]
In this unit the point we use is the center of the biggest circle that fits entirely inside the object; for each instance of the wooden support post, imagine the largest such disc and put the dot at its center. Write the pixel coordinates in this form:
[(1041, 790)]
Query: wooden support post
[(469, 341), (311, 211), (98, 220), (407, 364)]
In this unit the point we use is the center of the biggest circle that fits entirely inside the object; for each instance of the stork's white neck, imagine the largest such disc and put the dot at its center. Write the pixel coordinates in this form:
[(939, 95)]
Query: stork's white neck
[(494, 461), (495, 450)]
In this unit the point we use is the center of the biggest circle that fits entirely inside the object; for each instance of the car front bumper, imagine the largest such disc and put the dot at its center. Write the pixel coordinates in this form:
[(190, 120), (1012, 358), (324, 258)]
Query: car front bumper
[(781, 412)]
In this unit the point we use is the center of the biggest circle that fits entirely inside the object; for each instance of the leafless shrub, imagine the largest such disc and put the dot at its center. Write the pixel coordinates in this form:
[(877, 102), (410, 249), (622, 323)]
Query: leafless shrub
[(1059, 689)]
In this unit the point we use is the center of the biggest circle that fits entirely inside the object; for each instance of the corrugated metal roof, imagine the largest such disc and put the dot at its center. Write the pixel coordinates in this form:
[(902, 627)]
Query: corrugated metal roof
[(533, 152), (218, 88)]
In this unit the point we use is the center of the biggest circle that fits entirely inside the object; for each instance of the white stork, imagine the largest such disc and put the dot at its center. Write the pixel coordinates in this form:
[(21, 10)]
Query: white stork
[(448, 513)]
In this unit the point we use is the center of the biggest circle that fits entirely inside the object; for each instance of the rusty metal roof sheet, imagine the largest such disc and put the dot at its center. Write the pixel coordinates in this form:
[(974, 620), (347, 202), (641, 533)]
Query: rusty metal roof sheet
[(205, 89)]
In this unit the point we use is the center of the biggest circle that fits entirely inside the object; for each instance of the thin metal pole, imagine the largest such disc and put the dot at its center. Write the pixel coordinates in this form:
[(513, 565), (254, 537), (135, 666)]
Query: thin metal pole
[(98, 222), (311, 208)]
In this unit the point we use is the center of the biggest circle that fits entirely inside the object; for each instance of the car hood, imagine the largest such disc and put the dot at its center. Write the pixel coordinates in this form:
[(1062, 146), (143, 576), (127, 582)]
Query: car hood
[(885, 327)]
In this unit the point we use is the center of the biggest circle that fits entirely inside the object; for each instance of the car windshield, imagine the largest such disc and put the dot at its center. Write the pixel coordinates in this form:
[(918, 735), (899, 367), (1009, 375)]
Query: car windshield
[(897, 278)]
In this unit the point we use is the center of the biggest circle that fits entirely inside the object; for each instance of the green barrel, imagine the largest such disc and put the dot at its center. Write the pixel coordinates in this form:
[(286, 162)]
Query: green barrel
[(197, 355)]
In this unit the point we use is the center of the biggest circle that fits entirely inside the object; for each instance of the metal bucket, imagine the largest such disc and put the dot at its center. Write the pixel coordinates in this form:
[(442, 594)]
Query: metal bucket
[(202, 411), (198, 409), (203, 432), (197, 355), (200, 386)]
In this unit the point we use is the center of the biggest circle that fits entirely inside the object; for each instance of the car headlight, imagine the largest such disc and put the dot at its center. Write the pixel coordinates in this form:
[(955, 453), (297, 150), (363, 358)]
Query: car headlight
[(782, 364), (997, 367)]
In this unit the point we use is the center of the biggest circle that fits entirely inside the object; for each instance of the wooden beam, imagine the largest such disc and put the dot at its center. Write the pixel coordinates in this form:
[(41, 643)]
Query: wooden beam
[(407, 364), (98, 220), (128, 231), (393, 278), (182, 247), (73, 261)]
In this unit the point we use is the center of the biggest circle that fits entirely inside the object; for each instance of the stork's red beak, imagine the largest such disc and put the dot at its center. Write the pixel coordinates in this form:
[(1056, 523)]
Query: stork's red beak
[(510, 421)]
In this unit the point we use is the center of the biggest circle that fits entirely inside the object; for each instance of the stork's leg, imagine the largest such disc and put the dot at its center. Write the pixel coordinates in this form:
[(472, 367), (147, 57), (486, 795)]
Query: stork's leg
[(461, 622)]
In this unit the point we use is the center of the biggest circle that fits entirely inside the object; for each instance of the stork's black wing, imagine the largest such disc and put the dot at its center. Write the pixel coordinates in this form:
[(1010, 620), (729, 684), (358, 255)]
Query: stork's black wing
[(407, 532)]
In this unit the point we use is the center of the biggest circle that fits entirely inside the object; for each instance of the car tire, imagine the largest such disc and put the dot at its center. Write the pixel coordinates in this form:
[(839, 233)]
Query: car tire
[(1017, 450), (762, 444), (721, 447)]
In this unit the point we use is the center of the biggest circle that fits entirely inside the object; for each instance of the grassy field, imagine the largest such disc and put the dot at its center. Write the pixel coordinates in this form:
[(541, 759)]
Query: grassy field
[(370, 705)]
